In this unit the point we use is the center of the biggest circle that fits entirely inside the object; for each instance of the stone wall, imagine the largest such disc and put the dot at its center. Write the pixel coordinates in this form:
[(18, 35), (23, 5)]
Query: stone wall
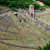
[(5, 21)]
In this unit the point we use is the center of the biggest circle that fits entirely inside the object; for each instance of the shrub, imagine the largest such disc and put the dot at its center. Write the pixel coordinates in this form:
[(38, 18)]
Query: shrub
[(47, 47), (36, 5), (46, 2), (39, 48), (14, 9), (19, 3)]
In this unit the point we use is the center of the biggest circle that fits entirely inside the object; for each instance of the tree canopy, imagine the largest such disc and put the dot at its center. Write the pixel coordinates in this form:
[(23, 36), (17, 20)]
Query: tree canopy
[(47, 2), (19, 3)]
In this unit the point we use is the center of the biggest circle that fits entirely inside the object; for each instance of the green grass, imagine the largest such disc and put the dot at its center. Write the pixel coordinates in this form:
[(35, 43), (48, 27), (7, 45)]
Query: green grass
[(21, 41), (12, 29), (26, 42), (10, 35), (44, 7), (4, 8), (38, 30), (24, 30), (6, 47)]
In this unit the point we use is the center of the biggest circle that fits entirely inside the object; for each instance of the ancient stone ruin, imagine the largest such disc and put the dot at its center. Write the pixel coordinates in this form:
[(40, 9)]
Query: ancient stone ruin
[(33, 17), (31, 13), (5, 20), (26, 15)]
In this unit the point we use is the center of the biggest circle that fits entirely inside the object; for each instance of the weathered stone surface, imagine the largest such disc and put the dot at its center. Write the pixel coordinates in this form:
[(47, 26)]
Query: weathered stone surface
[(34, 17), (31, 13), (5, 21)]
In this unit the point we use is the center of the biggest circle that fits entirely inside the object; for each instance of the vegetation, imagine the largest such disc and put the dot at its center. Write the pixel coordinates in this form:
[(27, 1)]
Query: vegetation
[(6, 47), (47, 2), (42, 7), (14, 9), (47, 47), (13, 4), (39, 48), (19, 3)]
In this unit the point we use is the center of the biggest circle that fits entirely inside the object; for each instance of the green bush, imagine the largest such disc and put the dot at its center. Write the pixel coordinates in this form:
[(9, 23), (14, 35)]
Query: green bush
[(39, 48), (47, 47), (46, 2), (42, 7), (14, 9)]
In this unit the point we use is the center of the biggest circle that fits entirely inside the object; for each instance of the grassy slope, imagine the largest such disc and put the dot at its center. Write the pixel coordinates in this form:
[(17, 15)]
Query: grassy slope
[(24, 30), (39, 31), (27, 35), (6, 47), (23, 35)]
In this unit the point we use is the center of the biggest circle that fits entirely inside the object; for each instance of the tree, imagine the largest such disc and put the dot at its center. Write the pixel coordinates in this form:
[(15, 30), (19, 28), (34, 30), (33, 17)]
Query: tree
[(19, 3), (47, 2)]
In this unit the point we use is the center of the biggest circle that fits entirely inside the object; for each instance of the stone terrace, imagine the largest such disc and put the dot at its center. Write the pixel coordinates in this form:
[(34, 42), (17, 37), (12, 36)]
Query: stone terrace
[(44, 16)]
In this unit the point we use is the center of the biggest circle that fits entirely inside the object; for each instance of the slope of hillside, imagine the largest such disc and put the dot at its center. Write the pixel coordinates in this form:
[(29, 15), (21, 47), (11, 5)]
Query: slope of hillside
[(17, 33)]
